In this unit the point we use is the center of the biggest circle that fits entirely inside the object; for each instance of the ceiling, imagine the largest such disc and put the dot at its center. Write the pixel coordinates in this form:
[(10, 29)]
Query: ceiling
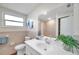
[(61, 10), (24, 8), (27, 8)]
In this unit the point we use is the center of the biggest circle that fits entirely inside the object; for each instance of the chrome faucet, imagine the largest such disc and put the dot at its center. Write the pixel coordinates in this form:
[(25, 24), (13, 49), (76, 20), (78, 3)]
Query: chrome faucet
[(47, 41)]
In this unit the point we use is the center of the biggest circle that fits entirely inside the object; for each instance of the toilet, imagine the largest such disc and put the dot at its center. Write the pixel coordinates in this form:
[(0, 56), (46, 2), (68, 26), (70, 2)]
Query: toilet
[(20, 49)]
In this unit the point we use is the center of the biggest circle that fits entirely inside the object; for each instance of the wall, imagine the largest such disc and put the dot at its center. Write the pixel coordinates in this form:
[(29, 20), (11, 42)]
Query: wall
[(76, 19), (16, 34), (1, 21), (15, 37), (49, 28)]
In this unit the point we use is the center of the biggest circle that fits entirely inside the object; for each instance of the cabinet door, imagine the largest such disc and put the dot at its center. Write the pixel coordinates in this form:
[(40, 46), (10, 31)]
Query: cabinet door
[(31, 51), (27, 50)]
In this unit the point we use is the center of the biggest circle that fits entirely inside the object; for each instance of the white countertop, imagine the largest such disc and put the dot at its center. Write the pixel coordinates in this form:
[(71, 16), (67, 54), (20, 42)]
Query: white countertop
[(52, 49)]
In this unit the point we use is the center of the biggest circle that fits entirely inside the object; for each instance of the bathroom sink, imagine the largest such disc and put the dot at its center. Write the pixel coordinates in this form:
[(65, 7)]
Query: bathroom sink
[(42, 46), (46, 49)]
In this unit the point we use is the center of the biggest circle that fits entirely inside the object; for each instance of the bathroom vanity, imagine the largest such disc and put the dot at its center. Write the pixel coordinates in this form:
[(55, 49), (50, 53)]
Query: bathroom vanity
[(40, 47)]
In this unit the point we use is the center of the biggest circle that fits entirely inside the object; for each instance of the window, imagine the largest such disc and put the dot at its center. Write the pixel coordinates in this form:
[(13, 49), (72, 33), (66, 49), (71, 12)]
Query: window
[(13, 20)]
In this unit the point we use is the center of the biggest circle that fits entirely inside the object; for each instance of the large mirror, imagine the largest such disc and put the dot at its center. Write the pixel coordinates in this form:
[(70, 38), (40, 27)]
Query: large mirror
[(57, 21)]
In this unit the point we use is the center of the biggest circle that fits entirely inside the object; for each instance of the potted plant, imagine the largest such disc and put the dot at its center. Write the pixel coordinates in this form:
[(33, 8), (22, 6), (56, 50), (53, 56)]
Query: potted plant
[(69, 42)]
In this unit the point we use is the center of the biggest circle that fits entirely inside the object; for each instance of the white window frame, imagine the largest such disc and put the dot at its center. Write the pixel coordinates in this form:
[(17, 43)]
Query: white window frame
[(13, 20)]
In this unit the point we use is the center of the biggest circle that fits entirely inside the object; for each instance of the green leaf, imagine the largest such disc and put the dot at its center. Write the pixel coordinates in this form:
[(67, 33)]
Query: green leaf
[(68, 40)]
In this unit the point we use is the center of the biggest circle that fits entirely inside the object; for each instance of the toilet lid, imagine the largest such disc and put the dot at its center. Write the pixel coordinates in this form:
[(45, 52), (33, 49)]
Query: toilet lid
[(20, 46)]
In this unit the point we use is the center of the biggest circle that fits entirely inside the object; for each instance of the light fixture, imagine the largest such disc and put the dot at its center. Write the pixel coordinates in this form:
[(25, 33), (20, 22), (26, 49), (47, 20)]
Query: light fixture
[(45, 13), (50, 22), (49, 18)]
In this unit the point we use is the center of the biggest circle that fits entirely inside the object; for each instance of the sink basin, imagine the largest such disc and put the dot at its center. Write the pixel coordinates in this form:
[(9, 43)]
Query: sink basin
[(41, 46), (46, 49)]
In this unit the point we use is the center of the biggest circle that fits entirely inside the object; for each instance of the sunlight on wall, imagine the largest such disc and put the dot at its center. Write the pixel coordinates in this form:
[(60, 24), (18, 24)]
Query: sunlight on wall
[(50, 22)]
